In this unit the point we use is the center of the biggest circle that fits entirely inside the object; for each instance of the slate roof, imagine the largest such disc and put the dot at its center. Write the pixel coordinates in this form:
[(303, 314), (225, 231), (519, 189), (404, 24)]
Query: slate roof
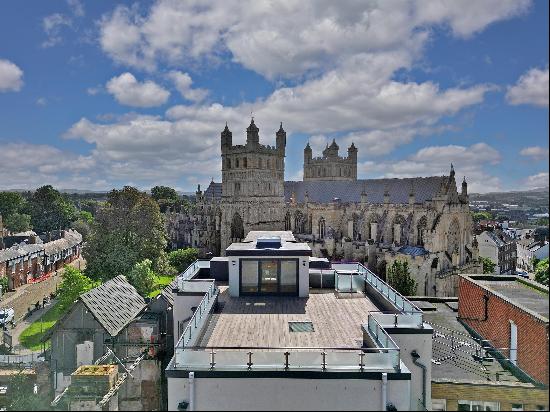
[(18, 251), (114, 304), (413, 251), (70, 239), (168, 294), (425, 188)]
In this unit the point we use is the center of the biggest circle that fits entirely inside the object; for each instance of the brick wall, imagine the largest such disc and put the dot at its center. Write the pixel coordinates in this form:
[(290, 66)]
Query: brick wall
[(532, 353), (504, 393)]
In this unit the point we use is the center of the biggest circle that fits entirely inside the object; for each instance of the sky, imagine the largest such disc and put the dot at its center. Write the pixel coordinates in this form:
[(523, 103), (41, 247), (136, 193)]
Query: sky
[(98, 95)]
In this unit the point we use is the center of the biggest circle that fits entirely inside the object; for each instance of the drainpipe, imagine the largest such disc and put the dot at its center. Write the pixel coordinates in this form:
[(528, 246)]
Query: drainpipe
[(191, 391), (415, 356), (384, 391)]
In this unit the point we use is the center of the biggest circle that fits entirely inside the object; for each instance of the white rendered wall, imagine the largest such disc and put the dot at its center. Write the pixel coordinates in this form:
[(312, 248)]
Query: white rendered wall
[(255, 394)]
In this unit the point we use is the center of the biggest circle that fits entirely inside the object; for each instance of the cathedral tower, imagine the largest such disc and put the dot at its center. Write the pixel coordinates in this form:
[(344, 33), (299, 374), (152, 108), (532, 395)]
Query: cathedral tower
[(330, 166)]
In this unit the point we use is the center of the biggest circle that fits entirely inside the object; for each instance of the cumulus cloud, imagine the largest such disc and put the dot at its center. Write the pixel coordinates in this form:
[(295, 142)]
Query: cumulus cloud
[(182, 82), (537, 181), (11, 76), (531, 88), (536, 153), (128, 91), (286, 39), (77, 8), (468, 161)]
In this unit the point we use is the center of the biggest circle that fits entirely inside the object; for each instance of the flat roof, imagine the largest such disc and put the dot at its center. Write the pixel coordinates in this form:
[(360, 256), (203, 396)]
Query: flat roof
[(458, 364), (263, 321), (521, 292), (288, 247)]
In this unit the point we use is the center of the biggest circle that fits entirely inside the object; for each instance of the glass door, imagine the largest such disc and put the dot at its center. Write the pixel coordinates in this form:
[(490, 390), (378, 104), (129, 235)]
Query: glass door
[(268, 276)]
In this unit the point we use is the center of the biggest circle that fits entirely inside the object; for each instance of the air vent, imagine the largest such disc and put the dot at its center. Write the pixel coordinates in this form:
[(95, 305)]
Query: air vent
[(300, 327)]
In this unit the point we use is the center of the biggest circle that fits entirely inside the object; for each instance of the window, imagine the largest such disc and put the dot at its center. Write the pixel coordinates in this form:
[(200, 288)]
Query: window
[(268, 276), (517, 407), (289, 276), (245, 162), (300, 327), (478, 406), (249, 276), (237, 163)]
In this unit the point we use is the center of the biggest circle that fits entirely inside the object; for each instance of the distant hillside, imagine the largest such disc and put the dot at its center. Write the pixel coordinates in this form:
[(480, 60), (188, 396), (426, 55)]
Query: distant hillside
[(534, 199)]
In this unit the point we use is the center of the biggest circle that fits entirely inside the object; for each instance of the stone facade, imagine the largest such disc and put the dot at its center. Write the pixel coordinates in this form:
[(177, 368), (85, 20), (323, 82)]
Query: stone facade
[(425, 221)]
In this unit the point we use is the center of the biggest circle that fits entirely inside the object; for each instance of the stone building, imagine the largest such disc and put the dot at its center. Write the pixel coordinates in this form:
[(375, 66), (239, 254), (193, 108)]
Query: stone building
[(423, 220)]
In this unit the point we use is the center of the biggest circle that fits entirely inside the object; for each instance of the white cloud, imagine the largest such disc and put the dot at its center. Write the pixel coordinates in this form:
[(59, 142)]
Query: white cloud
[(41, 101), (469, 161), (77, 8), (182, 82), (128, 91), (290, 38), (52, 25), (536, 153), (536, 181), (11, 76), (531, 88)]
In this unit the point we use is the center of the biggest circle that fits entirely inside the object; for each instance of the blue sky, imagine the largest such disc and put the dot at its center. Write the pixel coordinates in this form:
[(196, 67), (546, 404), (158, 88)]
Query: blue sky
[(95, 95)]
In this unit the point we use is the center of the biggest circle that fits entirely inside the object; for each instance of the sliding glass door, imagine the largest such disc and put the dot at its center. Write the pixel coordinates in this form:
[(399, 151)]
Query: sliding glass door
[(269, 277)]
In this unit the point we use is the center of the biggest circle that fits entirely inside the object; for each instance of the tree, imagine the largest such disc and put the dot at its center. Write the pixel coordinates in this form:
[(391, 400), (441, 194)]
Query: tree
[(50, 210), (17, 222), (180, 259), (142, 277), (85, 216), (477, 216), (488, 265), (164, 192), (74, 284), (399, 277), (82, 227), (10, 203), (20, 394), (127, 230), (542, 272)]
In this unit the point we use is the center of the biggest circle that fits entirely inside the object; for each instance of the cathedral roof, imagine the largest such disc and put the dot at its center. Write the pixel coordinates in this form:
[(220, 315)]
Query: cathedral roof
[(425, 188)]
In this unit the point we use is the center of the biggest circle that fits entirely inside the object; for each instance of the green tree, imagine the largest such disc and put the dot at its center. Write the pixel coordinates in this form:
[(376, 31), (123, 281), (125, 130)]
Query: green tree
[(17, 222), (542, 272), (164, 192), (180, 259), (399, 277), (543, 221), (85, 216), (74, 284), (488, 265), (20, 394), (10, 203), (50, 210), (142, 277), (127, 230), (477, 216), (82, 227)]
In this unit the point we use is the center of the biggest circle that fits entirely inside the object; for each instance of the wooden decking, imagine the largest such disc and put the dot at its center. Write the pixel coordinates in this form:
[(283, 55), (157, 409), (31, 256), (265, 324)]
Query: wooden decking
[(263, 321)]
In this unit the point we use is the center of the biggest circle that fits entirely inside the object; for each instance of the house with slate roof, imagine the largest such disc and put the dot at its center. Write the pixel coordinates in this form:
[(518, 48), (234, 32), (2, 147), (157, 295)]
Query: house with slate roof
[(424, 220)]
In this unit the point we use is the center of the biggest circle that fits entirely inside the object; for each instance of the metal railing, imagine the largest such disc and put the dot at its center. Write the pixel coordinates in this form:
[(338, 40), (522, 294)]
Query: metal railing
[(193, 328), (192, 270), (288, 358)]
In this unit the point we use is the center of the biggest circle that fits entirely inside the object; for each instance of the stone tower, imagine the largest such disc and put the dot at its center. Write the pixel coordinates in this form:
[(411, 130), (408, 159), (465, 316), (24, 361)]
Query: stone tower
[(252, 184), (330, 166)]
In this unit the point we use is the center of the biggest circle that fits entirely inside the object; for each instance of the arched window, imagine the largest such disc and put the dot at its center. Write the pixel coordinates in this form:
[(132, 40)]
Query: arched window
[(245, 162), (229, 163), (420, 228), (299, 223), (260, 163), (321, 229), (237, 228), (287, 221), (237, 162), (453, 237)]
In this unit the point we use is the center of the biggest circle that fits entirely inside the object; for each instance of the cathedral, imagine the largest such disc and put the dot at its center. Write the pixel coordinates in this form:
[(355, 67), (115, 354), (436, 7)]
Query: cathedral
[(425, 221)]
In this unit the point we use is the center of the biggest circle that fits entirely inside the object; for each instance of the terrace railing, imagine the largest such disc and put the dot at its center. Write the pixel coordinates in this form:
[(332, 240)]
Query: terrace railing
[(192, 270)]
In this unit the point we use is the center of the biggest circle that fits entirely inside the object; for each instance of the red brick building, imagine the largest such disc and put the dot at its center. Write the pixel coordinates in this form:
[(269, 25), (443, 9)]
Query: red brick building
[(511, 313)]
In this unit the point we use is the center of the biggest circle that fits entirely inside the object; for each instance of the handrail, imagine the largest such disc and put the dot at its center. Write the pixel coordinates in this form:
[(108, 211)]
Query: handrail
[(305, 348), (379, 328)]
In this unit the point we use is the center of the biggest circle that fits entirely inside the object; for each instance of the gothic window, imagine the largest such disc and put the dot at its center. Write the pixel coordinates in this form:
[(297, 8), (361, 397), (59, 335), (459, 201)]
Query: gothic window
[(237, 187), (310, 224), (321, 228), (260, 163), (318, 172), (287, 221), (237, 163), (453, 237), (229, 163), (397, 230), (237, 228), (269, 163), (299, 224), (420, 228), (245, 162)]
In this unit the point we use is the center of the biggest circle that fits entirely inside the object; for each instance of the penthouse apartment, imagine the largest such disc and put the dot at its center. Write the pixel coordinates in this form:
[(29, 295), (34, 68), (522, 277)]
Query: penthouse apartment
[(272, 334)]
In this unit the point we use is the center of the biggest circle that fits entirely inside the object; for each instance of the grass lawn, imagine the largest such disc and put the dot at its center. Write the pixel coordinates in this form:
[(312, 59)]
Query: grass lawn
[(161, 283), (30, 337)]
